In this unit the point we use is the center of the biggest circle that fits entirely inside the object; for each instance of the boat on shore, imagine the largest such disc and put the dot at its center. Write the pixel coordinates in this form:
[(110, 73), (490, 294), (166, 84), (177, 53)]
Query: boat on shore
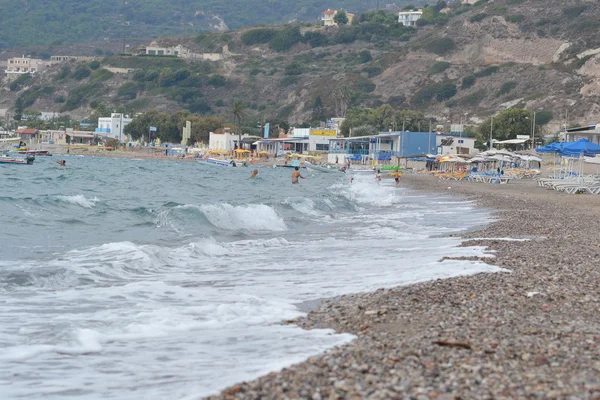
[(217, 162), (35, 152), (320, 167), (13, 160)]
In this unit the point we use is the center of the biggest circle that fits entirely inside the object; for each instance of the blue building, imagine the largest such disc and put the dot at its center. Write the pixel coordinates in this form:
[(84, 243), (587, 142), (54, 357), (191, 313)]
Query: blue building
[(383, 146)]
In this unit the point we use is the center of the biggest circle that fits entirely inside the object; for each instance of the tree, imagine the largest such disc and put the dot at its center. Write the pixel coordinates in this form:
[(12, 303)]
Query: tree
[(364, 130), (340, 18), (18, 109), (507, 124), (342, 96), (318, 110), (238, 112)]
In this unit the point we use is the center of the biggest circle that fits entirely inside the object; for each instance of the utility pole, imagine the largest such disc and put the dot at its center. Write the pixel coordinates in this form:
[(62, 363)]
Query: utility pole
[(533, 132), (491, 133)]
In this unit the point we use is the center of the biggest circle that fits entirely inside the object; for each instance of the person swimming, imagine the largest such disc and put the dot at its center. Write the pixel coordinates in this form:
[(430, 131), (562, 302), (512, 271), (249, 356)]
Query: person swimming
[(296, 174), (254, 173), (62, 163)]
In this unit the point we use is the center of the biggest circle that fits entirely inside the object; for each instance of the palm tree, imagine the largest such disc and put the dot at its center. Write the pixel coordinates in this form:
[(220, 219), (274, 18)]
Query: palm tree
[(238, 112)]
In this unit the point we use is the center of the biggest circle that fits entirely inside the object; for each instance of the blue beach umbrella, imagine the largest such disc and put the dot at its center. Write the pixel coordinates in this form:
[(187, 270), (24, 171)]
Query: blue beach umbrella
[(582, 146)]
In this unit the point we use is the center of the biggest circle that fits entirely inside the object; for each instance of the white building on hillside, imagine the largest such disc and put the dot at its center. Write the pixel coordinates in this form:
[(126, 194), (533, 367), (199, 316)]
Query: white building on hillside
[(409, 18), (18, 66), (113, 126)]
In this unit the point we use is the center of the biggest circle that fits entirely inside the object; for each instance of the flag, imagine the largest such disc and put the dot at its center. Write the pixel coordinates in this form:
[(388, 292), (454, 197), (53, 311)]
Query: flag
[(267, 129), (152, 129)]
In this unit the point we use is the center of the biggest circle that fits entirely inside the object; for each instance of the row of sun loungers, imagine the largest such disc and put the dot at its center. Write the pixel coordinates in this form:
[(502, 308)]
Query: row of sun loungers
[(588, 185)]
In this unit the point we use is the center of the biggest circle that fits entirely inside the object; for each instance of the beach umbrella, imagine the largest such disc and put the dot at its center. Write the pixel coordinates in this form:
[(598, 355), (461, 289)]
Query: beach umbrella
[(582, 146)]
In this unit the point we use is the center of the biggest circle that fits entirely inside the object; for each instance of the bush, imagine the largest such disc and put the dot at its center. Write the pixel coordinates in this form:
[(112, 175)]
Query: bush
[(471, 100), (440, 46), (366, 86), (507, 87), (82, 72), (345, 35), (101, 75), (438, 67), (60, 99), (365, 56), (286, 39), (258, 36), (20, 82), (216, 80), (128, 91), (293, 69), (515, 19), (478, 17), (487, 71), (468, 81), (437, 91), (94, 65), (219, 103), (574, 12), (289, 80), (372, 70), (63, 73), (316, 39)]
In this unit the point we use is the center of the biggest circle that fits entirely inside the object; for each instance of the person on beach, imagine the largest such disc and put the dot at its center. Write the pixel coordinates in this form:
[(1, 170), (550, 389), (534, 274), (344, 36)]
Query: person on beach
[(397, 179), (62, 163), (378, 176), (295, 175), (254, 173)]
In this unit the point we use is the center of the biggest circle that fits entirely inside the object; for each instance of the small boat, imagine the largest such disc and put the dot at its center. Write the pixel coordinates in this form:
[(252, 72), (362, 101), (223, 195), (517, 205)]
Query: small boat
[(35, 152), (321, 168), (11, 160), (217, 162)]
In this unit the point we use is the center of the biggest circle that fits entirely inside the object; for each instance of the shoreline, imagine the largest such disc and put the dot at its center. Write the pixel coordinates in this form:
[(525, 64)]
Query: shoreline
[(531, 332)]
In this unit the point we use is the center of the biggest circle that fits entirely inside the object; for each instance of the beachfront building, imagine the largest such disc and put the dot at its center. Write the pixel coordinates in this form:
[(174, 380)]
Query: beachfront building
[(113, 126), (591, 133), (28, 135), (18, 66), (382, 147), (409, 18), (300, 141), (454, 143)]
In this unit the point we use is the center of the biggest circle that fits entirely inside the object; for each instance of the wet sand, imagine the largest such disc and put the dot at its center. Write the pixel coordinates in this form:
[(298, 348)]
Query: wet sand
[(531, 332)]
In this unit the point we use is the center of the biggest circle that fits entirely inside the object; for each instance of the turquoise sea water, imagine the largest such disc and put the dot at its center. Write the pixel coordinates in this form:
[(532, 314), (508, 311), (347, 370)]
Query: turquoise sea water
[(128, 279)]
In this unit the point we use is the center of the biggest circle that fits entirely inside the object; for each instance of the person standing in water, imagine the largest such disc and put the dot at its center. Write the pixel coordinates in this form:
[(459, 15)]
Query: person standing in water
[(378, 176), (254, 173), (296, 174), (62, 163)]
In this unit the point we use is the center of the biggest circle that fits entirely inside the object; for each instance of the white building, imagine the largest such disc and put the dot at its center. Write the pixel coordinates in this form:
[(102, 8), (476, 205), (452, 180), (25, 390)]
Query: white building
[(409, 18), (18, 66), (113, 126), (224, 141), (455, 144)]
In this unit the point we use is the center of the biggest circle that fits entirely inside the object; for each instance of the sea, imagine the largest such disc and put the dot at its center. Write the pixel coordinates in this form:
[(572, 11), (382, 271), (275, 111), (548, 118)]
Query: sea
[(138, 278)]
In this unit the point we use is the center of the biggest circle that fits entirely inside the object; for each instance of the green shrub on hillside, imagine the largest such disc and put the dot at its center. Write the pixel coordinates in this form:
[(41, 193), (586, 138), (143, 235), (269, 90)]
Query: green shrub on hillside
[(478, 17), (258, 36), (345, 35), (487, 71), (372, 70), (316, 39), (440, 46), (364, 56), (286, 39), (81, 72), (438, 67), (20, 82), (294, 68), (94, 65), (516, 19), (575, 11), (507, 87), (434, 91), (468, 81), (128, 91), (470, 100), (216, 80), (101, 75), (289, 80)]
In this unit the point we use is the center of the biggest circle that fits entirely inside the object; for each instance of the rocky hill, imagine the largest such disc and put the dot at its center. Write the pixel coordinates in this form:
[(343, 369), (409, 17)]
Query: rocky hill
[(463, 61)]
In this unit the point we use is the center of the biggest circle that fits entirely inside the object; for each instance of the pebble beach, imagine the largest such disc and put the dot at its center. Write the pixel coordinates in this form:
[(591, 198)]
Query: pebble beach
[(532, 331)]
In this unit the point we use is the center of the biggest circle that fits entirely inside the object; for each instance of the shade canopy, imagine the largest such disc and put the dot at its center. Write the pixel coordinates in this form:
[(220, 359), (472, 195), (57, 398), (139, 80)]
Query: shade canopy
[(582, 146)]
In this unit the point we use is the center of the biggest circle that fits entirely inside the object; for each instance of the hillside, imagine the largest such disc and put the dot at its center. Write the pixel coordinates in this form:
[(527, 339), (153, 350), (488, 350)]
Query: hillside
[(541, 55), (26, 22)]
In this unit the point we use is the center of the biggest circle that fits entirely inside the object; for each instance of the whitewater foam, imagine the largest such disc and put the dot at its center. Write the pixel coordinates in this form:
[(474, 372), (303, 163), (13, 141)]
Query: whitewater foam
[(253, 217), (79, 200)]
